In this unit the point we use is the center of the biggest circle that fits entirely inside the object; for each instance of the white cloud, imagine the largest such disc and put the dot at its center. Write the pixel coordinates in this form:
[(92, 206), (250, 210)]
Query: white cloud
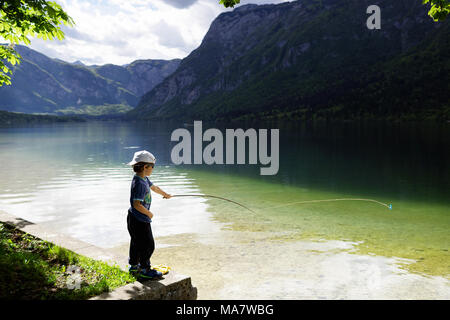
[(119, 32), (169, 36)]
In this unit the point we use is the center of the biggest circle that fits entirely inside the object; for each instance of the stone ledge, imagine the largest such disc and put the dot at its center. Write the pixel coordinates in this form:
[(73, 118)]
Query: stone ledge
[(172, 286)]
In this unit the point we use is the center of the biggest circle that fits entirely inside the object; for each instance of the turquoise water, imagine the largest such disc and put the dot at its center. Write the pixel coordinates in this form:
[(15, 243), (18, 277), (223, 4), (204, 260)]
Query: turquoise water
[(73, 178)]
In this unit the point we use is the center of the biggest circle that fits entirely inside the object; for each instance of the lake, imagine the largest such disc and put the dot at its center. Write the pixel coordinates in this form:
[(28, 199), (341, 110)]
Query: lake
[(73, 178)]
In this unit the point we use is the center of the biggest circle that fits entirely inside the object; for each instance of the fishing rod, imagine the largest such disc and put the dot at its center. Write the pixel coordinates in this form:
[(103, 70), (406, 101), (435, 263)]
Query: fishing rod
[(283, 205), (211, 196)]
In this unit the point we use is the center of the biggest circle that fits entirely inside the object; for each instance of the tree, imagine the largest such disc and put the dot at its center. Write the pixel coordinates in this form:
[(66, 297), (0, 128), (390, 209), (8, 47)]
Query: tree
[(21, 19), (440, 9), (229, 3)]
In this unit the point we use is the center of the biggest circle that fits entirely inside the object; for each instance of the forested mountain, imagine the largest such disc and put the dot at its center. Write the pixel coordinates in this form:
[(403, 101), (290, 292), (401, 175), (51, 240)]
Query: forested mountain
[(312, 59), (44, 85)]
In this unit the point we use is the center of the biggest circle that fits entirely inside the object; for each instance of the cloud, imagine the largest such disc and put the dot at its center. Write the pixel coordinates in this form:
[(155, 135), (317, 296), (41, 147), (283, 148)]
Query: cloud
[(169, 36), (119, 32), (75, 34)]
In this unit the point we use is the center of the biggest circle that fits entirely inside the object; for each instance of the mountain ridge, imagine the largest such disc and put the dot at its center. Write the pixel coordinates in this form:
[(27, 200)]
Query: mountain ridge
[(305, 58), (41, 84)]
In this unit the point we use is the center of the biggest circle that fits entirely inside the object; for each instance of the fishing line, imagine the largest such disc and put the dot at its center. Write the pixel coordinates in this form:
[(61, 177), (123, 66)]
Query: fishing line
[(283, 205), (327, 200)]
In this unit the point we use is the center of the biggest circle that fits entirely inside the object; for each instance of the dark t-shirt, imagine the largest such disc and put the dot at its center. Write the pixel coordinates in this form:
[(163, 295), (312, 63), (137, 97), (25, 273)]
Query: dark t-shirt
[(140, 190)]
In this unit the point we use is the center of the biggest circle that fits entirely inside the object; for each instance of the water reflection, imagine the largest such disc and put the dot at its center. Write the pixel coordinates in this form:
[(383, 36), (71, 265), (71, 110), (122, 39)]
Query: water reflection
[(74, 178)]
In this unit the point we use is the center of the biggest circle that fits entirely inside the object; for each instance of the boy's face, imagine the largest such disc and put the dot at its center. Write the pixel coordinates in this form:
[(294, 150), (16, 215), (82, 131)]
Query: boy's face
[(148, 169)]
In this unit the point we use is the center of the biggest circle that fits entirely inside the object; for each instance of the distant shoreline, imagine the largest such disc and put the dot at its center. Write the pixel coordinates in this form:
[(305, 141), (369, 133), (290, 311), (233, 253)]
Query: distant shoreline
[(8, 118), (11, 118)]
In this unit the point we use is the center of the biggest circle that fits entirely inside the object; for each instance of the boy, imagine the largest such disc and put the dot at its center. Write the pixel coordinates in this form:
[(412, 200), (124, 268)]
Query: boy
[(139, 216)]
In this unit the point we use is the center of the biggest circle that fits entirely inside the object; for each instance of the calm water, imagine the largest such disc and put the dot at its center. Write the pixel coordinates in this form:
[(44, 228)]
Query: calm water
[(73, 178)]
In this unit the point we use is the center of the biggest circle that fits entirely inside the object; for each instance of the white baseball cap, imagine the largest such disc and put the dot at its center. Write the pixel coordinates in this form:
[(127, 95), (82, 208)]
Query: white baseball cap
[(142, 156)]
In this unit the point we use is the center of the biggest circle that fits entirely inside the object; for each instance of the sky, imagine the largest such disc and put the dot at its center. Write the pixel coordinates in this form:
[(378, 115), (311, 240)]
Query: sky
[(122, 31)]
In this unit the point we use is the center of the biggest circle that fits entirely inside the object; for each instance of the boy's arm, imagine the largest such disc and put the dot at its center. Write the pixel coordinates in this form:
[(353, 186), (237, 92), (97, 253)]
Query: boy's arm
[(139, 207), (161, 192)]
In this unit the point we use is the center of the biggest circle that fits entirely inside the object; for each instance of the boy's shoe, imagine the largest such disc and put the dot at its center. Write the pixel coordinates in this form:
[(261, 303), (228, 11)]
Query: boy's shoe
[(133, 269), (150, 274)]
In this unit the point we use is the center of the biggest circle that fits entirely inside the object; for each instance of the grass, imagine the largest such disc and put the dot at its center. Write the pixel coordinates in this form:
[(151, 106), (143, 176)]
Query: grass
[(34, 269)]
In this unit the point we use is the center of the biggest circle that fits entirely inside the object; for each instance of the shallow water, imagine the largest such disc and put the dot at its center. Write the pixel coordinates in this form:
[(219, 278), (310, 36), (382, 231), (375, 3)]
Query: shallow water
[(74, 178), (249, 265)]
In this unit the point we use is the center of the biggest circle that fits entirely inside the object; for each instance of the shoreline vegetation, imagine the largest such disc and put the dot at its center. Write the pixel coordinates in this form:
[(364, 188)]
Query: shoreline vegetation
[(15, 118), (88, 112), (340, 114), (8, 118), (31, 268), (106, 110)]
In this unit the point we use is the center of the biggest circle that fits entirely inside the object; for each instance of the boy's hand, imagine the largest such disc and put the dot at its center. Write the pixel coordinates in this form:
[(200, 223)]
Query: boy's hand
[(167, 196)]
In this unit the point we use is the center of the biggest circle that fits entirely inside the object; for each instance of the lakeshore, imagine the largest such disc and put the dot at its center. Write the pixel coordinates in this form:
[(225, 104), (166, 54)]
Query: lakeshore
[(41, 264), (330, 250), (240, 265)]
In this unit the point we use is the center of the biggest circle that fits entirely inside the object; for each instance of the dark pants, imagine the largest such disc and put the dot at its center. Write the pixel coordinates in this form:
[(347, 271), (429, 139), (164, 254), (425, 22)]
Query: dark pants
[(142, 243)]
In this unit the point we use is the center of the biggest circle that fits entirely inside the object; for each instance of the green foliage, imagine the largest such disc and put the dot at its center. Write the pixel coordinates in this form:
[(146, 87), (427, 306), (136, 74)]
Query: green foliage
[(440, 9), (31, 268), (21, 19), (229, 3)]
